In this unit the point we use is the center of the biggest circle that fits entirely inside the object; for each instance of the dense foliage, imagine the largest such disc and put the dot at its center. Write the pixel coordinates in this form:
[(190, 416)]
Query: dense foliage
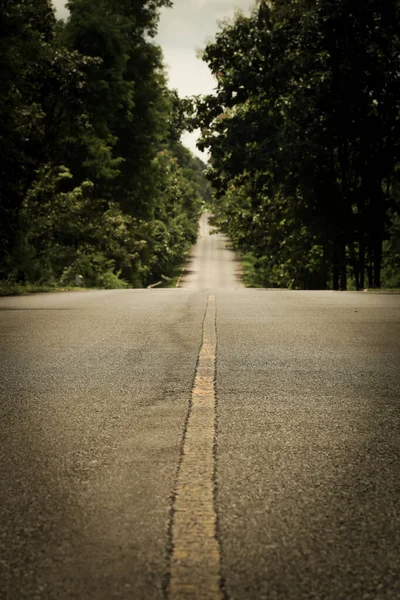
[(304, 136), (94, 180)]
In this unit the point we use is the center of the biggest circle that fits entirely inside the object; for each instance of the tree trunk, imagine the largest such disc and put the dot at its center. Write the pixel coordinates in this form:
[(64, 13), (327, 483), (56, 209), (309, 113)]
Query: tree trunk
[(335, 266), (370, 276), (342, 263), (361, 260), (335, 278), (378, 262)]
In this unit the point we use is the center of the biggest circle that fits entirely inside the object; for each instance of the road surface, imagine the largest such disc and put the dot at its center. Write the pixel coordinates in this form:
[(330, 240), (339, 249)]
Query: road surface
[(211, 263), (209, 442)]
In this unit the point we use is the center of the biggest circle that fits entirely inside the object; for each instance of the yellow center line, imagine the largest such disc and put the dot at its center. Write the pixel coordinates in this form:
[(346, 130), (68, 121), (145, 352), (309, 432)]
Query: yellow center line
[(195, 561)]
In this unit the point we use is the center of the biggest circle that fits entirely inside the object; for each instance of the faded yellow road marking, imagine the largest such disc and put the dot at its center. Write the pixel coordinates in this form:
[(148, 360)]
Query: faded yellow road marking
[(195, 561)]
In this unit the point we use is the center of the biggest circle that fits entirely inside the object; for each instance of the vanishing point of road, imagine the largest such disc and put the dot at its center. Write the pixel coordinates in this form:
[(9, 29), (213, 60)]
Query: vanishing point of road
[(204, 442)]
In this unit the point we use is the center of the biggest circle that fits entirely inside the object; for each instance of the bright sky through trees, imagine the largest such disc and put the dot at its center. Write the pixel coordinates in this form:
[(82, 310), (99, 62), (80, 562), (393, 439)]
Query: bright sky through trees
[(183, 30)]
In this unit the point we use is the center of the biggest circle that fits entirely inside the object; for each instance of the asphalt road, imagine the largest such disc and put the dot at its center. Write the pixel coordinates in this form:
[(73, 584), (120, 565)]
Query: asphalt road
[(211, 264), (96, 388)]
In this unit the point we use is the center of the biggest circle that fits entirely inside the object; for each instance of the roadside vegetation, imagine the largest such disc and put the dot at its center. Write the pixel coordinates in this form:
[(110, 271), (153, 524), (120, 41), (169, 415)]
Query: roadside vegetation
[(304, 138), (94, 181)]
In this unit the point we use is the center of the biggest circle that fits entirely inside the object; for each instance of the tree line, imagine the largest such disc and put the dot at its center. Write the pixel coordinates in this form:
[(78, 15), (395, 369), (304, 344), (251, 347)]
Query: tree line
[(94, 180), (303, 133)]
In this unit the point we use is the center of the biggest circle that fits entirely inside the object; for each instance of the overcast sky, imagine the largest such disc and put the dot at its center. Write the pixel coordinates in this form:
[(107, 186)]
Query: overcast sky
[(183, 30)]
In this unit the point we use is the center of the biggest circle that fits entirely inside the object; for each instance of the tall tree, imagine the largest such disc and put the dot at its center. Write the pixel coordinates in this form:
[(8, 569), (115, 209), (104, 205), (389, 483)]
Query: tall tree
[(27, 30), (305, 117), (95, 180)]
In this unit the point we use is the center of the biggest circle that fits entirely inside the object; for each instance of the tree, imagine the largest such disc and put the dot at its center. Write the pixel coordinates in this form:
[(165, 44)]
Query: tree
[(27, 30), (95, 179), (304, 118)]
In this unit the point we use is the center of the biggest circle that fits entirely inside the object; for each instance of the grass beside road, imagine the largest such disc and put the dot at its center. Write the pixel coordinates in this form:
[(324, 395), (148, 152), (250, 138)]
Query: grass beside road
[(382, 290), (251, 277), (19, 289), (174, 273), (8, 288), (172, 280)]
